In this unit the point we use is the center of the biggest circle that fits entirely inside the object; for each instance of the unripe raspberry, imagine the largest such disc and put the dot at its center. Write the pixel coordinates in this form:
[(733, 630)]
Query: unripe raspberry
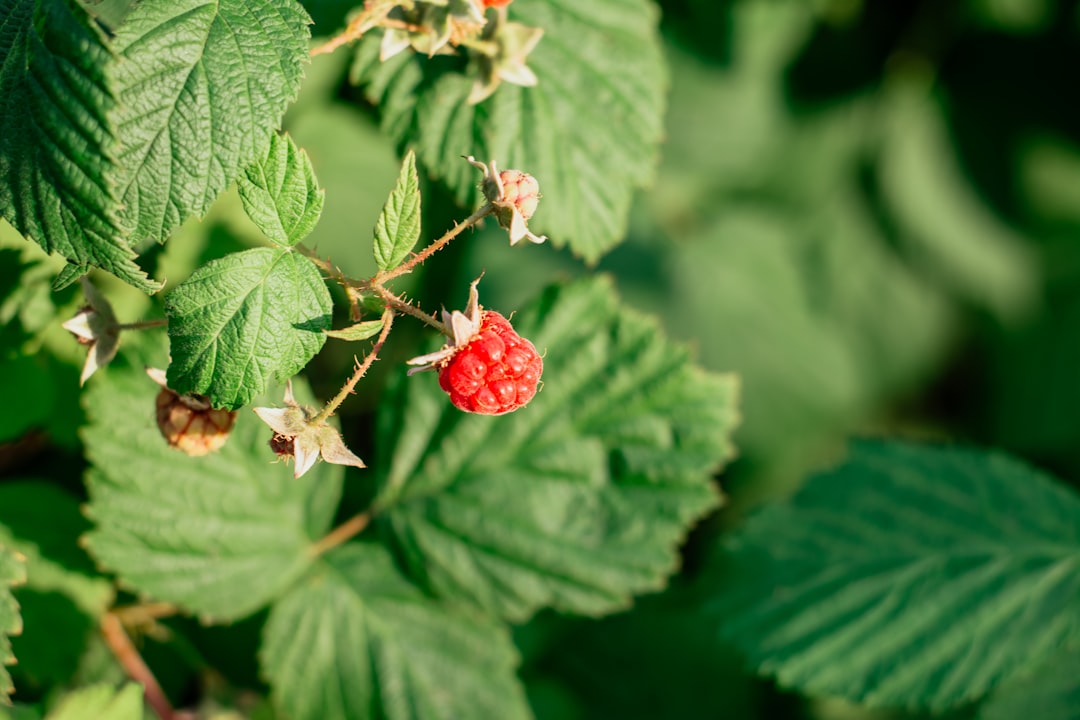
[(520, 190), (187, 422), (496, 372)]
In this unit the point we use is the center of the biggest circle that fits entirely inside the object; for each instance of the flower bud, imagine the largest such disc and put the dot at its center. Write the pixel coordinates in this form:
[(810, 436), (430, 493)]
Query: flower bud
[(520, 190)]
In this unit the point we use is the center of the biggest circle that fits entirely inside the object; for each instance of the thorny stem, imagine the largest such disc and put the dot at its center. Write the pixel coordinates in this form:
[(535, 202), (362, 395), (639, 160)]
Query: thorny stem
[(361, 370), (407, 308), (335, 272), (373, 13), (128, 657), (345, 531), (383, 277)]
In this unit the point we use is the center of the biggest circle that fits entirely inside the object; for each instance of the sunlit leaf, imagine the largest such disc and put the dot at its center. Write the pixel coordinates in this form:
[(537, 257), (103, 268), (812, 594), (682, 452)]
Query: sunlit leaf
[(577, 500), (356, 639)]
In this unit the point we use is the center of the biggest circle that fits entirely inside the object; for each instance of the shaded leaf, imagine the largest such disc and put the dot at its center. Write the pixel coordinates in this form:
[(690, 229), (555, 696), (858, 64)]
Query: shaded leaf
[(202, 86), (910, 575), (579, 499), (398, 227), (356, 639), (64, 596), (243, 320), (219, 535), (12, 572), (1049, 692), (588, 131), (280, 192), (946, 228), (58, 144)]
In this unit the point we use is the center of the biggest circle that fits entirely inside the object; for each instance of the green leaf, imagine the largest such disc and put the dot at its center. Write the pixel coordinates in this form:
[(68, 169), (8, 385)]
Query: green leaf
[(578, 500), (219, 535), (203, 85), (64, 596), (911, 575), (12, 572), (58, 145), (359, 331), (398, 227), (280, 192), (20, 712), (946, 227), (243, 320), (101, 701), (1049, 692), (588, 132), (356, 639)]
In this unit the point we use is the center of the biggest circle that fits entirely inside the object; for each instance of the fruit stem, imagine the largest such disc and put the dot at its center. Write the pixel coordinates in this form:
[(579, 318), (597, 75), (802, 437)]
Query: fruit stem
[(361, 370), (373, 14), (128, 657), (343, 532)]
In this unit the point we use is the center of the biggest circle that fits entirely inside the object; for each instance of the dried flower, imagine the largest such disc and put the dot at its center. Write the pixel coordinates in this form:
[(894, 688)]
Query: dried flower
[(298, 433), (188, 422), (501, 55), (95, 326)]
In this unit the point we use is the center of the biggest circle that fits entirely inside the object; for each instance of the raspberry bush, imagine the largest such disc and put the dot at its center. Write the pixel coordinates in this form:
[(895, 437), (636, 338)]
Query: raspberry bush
[(230, 489)]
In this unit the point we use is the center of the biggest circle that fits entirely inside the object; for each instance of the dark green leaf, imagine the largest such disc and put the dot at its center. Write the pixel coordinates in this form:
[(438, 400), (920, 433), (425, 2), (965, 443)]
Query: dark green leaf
[(219, 535), (588, 131), (398, 227), (947, 229), (280, 192), (1050, 692), (911, 575), (12, 572), (202, 85), (357, 640), (58, 145), (64, 596), (243, 320), (579, 499)]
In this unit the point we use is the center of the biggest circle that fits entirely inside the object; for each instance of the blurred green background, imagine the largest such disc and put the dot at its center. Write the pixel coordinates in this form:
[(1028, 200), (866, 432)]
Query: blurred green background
[(870, 211)]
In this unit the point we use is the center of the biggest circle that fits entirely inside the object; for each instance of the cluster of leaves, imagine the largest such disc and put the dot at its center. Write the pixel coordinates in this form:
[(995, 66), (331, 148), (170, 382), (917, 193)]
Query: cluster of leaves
[(829, 248)]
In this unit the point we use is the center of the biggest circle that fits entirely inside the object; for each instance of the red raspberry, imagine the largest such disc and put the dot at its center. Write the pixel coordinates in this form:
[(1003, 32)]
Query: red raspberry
[(496, 372), (495, 3)]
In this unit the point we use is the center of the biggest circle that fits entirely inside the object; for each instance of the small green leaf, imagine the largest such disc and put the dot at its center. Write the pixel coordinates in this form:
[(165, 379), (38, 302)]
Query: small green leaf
[(356, 639), (219, 535), (588, 131), (12, 572), (398, 227), (101, 701), (911, 575), (192, 118), (280, 192), (359, 331), (57, 144), (578, 500), (243, 320)]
